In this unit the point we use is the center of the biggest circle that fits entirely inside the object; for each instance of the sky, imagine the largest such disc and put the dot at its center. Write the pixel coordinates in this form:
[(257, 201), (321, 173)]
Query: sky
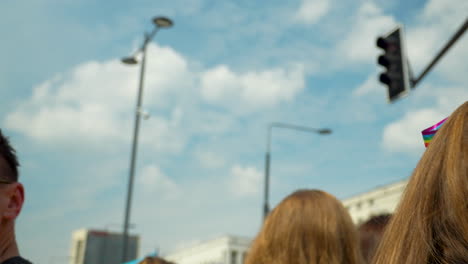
[(214, 81)]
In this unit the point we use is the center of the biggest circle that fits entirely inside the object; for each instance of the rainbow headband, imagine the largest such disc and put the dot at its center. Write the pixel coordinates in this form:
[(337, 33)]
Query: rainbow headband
[(429, 133)]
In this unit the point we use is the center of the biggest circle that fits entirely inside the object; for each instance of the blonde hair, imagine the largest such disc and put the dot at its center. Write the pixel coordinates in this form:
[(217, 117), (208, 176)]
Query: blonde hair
[(430, 224), (307, 227)]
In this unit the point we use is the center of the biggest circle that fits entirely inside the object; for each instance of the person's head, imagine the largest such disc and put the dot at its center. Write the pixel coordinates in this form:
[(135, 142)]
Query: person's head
[(11, 191), (154, 260), (308, 226), (370, 234), (8, 161), (430, 224)]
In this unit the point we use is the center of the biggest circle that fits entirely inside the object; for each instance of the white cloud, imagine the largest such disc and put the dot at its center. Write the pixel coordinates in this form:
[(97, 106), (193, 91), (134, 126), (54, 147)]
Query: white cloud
[(219, 83), (93, 103), (420, 45), (438, 10), (60, 123), (212, 122), (311, 11), (165, 134), (245, 181), (210, 159), (252, 90), (359, 44), (431, 33), (155, 182), (370, 86), (404, 135)]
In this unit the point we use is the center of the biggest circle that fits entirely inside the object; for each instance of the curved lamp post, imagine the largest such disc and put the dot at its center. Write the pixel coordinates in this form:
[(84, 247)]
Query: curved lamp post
[(159, 22), (320, 131)]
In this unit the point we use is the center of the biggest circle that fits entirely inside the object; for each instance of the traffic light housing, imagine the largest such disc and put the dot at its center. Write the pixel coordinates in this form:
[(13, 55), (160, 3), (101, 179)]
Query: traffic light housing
[(396, 76)]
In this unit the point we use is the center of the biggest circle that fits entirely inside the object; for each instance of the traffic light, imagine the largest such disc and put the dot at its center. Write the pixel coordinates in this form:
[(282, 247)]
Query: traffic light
[(394, 60)]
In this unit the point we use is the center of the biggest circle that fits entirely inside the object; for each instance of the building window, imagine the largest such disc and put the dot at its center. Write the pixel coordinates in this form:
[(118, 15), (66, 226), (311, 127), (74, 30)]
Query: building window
[(358, 205), (233, 257), (371, 202)]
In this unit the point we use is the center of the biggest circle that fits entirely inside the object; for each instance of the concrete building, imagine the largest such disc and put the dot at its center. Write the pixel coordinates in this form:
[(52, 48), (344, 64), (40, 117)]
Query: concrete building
[(100, 247), (222, 250), (383, 199)]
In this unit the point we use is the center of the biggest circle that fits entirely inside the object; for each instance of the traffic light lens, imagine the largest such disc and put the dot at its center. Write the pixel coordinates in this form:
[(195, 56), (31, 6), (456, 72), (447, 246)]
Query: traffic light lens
[(383, 61), (382, 43), (385, 79)]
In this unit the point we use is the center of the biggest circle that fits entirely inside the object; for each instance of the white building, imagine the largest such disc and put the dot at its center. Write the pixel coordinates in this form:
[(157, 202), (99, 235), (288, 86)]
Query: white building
[(223, 250), (383, 199), (100, 247)]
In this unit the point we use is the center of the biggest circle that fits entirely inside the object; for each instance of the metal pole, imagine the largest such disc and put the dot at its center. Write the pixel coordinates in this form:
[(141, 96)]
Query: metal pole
[(266, 207), (295, 127), (134, 151), (441, 53)]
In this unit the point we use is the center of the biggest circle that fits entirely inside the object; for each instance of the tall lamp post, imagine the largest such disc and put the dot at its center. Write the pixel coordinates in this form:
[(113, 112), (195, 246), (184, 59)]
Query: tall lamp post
[(320, 131), (159, 22)]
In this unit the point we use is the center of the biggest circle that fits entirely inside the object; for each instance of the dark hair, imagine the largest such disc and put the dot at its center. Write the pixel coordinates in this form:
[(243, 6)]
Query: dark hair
[(154, 260), (370, 234), (9, 171)]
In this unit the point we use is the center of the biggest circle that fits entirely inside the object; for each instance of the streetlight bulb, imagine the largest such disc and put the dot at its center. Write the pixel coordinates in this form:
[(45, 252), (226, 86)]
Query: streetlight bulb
[(324, 131), (162, 22), (129, 60)]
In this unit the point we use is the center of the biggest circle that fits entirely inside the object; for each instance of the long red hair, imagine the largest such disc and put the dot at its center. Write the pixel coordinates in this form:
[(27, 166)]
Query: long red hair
[(307, 227)]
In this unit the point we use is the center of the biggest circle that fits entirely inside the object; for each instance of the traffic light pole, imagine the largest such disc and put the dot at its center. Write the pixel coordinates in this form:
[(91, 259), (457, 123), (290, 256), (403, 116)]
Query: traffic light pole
[(441, 53)]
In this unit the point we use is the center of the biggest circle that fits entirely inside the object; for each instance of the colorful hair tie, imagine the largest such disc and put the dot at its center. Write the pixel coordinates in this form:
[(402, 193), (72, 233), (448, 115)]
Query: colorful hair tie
[(429, 133)]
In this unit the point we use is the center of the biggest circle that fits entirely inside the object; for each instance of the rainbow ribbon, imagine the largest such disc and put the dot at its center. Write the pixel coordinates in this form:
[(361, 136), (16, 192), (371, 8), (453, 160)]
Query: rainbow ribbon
[(429, 132)]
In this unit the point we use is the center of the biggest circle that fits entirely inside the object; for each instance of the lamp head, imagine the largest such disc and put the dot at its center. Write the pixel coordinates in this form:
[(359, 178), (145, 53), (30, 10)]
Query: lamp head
[(130, 60), (324, 131), (162, 22)]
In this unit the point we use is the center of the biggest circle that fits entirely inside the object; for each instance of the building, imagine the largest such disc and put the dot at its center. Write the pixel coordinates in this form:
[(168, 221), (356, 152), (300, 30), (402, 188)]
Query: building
[(383, 199), (222, 250), (100, 247)]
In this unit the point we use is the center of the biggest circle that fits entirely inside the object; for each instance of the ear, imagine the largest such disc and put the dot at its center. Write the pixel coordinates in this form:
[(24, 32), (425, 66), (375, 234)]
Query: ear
[(15, 197)]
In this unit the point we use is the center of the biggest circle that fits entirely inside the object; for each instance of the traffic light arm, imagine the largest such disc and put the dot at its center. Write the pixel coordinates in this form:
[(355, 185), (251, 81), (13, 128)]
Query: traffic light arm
[(458, 34)]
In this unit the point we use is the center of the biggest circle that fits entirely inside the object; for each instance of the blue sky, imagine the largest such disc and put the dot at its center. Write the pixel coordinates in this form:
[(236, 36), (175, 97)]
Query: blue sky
[(213, 83)]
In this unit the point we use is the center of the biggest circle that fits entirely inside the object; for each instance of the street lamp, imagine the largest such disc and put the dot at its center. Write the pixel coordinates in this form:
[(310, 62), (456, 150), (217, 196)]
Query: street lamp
[(159, 22), (320, 131)]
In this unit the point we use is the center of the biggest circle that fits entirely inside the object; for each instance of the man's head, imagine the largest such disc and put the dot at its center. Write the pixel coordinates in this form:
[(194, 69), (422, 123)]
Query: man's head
[(11, 191), (8, 161)]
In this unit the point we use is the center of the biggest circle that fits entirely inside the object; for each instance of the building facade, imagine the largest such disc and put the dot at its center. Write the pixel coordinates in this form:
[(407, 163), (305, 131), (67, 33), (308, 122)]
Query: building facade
[(222, 250), (100, 247), (381, 200)]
